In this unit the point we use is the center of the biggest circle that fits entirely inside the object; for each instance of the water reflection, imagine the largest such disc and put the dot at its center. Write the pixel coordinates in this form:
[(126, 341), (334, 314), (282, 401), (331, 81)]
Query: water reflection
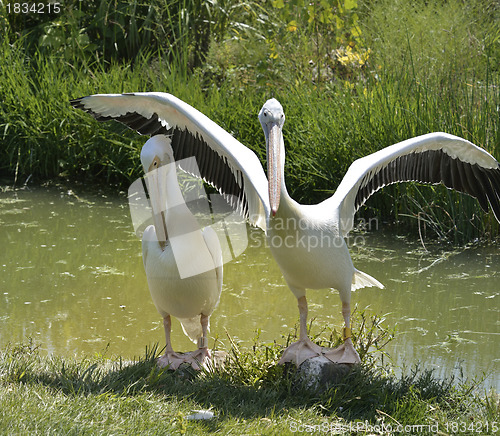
[(72, 278)]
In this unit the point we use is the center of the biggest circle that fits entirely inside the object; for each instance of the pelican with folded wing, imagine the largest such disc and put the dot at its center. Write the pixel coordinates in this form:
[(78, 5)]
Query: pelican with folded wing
[(183, 262), (307, 241)]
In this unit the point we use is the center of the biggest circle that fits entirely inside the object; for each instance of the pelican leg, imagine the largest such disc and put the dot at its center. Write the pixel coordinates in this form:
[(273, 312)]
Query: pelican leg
[(346, 352), (170, 359), (199, 358), (304, 348)]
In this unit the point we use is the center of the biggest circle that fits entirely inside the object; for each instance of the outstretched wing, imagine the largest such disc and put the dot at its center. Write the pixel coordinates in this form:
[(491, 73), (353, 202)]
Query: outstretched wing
[(223, 161), (432, 158)]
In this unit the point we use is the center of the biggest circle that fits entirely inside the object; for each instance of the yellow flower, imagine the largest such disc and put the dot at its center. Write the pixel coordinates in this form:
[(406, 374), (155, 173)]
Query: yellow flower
[(292, 26)]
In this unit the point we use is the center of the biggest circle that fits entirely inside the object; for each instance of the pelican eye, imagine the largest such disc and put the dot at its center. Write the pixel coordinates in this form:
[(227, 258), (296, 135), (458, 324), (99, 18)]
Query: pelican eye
[(155, 164)]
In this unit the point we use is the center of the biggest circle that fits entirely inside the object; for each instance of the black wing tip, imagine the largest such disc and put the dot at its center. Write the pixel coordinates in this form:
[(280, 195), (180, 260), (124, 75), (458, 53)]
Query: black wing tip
[(144, 126), (77, 103)]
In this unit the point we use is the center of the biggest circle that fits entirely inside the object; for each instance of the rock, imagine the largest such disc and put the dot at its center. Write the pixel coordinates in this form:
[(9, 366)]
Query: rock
[(319, 373)]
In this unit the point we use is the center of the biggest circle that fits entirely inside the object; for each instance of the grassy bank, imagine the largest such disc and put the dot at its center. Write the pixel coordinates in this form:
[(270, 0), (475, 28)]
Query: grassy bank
[(412, 69), (250, 395)]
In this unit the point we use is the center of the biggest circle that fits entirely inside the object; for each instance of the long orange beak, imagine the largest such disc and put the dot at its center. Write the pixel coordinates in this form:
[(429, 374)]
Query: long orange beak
[(274, 167), (156, 182)]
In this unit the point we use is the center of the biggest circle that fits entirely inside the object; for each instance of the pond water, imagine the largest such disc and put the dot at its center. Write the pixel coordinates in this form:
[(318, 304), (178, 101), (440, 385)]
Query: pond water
[(72, 279)]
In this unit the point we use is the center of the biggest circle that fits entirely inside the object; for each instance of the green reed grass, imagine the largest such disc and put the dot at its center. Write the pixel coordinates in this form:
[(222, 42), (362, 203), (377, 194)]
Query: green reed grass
[(409, 87)]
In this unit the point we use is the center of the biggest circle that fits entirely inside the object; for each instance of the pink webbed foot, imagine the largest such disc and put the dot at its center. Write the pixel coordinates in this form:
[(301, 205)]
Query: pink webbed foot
[(199, 359), (171, 359), (300, 351), (343, 354)]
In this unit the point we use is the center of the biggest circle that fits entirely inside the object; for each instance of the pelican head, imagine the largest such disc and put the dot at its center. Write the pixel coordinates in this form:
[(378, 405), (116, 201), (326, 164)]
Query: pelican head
[(156, 152), (272, 118)]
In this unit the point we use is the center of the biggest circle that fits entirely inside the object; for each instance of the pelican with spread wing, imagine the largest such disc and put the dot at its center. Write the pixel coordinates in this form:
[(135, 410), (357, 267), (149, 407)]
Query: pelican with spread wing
[(307, 241)]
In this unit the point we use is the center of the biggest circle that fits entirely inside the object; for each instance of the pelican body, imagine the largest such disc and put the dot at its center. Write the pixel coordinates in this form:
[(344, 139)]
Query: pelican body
[(307, 244), (183, 263), (306, 241)]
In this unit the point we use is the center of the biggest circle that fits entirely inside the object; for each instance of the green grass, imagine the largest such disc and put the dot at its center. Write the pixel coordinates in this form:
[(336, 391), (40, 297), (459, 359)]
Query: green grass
[(251, 394)]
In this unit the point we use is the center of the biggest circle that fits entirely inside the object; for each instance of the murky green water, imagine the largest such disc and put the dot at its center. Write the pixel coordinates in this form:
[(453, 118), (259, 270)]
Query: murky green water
[(72, 278)]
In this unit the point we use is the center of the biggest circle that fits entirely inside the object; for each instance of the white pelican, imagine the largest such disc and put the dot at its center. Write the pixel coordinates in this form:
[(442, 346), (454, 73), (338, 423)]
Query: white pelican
[(172, 248), (306, 241)]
